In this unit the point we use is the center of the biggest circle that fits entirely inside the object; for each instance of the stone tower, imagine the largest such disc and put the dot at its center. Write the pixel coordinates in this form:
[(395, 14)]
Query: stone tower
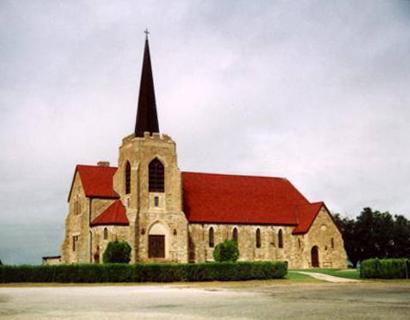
[(148, 181)]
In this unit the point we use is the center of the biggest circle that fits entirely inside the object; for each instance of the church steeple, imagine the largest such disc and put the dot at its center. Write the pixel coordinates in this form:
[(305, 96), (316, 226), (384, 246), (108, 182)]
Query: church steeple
[(147, 119)]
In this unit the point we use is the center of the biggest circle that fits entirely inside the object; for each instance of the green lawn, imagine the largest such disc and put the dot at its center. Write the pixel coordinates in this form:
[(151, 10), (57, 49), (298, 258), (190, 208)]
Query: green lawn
[(343, 273)]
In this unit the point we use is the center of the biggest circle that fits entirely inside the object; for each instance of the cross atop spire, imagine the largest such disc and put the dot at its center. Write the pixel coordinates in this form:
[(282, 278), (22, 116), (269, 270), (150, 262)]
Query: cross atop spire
[(147, 119)]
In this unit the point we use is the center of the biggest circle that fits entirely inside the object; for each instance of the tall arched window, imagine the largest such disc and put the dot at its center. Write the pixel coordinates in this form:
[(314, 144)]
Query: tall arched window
[(127, 178), (280, 239), (235, 235), (211, 237), (105, 233), (332, 243), (258, 238), (156, 176)]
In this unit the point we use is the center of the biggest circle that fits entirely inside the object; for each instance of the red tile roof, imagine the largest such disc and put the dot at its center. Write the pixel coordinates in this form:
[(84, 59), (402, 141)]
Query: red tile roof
[(306, 215), (216, 198), (114, 215), (235, 199), (97, 181)]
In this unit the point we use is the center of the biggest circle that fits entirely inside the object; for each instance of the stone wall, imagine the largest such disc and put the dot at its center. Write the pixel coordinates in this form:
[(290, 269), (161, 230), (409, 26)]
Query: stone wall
[(100, 239), (296, 248), (200, 251), (331, 252), (76, 225)]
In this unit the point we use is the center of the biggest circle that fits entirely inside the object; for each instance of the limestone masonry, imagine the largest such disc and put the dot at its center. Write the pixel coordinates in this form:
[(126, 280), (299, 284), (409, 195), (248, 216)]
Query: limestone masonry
[(171, 216)]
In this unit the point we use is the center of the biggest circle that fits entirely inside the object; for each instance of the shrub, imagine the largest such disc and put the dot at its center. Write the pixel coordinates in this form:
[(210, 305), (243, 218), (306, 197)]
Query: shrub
[(117, 252), (226, 251), (89, 273), (384, 268)]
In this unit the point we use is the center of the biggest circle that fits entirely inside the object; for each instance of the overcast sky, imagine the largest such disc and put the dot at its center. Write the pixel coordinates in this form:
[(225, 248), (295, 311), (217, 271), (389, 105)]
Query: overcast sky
[(314, 91)]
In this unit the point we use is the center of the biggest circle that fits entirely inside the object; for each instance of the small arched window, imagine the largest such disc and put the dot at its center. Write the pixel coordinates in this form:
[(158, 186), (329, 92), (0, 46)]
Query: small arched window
[(332, 243), (105, 233), (127, 178), (258, 238), (77, 205), (156, 176), (211, 237), (235, 235), (280, 239)]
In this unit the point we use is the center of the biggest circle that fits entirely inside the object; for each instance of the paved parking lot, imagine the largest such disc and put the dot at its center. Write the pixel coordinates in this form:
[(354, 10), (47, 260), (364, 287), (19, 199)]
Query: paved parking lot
[(249, 300)]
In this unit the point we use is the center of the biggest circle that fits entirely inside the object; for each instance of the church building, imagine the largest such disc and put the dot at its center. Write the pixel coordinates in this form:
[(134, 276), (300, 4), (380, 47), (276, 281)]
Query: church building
[(168, 215)]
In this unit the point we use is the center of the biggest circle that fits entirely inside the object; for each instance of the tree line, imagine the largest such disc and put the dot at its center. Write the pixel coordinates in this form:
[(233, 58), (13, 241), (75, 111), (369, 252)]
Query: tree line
[(375, 234)]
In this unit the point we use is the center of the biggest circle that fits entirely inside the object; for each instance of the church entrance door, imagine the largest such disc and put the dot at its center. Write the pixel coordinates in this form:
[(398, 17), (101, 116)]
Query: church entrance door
[(315, 257), (156, 246)]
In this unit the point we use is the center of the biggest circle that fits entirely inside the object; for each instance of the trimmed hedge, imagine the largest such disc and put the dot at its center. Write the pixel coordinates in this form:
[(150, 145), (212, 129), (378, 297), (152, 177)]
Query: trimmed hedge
[(91, 273), (384, 268)]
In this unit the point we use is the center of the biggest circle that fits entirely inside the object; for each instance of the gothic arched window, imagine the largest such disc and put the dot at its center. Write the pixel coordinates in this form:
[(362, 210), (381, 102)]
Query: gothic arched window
[(235, 235), (280, 239), (127, 178), (156, 176), (211, 237), (105, 233), (258, 238)]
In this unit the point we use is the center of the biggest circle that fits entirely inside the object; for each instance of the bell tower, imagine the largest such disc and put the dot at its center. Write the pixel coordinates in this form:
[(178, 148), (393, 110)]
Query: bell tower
[(148, 181)]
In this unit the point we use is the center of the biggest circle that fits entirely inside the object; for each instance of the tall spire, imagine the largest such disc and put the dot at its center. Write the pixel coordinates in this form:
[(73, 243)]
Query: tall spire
[(147, 119)]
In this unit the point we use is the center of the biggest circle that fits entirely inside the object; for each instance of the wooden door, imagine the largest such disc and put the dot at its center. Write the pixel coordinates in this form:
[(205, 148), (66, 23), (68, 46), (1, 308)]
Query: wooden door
[(156, 247), (315, 257)]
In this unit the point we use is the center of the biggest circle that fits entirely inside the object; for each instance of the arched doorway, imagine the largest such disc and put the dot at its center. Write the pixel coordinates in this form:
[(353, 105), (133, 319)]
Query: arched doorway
[(157, 244), (315, 257)]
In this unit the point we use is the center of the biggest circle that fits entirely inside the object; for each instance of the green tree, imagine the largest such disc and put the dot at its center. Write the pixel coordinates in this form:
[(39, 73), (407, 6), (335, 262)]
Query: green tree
[(349, 233), (117, 252), (401, 237), (375, 234), (226, 251)]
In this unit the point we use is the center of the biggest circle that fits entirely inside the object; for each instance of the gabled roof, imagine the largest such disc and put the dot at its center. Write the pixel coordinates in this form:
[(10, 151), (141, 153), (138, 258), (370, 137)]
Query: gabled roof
[(97, 181), (236, 199), (115, 214), (306, 215)]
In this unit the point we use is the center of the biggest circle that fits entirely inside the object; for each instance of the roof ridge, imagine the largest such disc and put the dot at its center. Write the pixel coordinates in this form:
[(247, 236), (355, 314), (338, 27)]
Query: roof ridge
[(235, 175), (94, 166)]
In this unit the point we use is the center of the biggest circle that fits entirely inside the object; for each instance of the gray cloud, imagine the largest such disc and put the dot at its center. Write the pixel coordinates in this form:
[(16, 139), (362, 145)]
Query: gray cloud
[(315, 91)]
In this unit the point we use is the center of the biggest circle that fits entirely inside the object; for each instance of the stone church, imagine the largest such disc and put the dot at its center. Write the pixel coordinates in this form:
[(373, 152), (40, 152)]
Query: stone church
[(171, 216)]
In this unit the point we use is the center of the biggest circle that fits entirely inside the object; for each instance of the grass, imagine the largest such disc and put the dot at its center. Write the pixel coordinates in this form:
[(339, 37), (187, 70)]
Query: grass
[(342, 273)]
